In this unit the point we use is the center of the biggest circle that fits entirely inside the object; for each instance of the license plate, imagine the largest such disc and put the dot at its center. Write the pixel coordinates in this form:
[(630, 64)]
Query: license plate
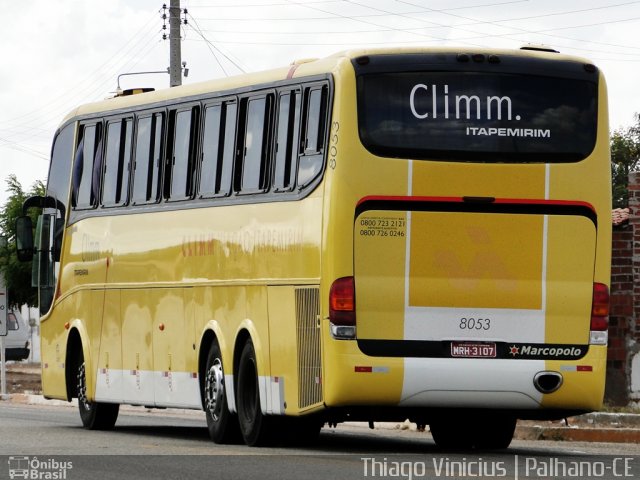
[(473, 350)]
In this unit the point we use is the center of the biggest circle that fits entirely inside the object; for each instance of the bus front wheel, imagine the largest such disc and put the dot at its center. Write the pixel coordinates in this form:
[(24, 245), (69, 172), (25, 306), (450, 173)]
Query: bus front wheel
[(222, 424), (94, 415), (255, 426)]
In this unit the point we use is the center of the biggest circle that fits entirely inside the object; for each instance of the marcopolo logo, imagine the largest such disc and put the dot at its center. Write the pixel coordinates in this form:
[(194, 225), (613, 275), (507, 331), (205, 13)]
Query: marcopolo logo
[(542, 351), (38, 469)]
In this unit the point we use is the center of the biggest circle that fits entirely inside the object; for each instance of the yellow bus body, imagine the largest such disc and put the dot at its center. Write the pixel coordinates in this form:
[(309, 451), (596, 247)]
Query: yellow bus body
[(146, 292)]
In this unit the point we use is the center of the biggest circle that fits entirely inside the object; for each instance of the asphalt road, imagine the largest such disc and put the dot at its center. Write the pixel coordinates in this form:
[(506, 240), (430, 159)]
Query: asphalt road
[(49, 442)]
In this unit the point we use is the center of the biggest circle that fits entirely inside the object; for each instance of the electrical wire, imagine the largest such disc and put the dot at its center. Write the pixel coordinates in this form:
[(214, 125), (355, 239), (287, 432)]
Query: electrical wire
[(481, 35), (212, 45), (477, 35), (475, 21), (21, 148), (81, 95), (73, 92), (16, 134), (253, 5), (467, 7)]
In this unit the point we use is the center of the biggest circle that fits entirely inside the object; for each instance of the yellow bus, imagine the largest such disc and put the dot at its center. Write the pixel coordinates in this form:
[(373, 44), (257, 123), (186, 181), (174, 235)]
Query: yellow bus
[(378, 235)]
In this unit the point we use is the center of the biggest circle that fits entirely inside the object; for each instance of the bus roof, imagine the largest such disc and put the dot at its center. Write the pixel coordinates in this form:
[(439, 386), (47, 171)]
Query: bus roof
[(296, 69)]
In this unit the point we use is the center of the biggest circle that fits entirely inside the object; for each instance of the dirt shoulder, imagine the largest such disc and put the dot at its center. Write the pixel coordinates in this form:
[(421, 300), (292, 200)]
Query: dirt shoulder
[(23, 378)]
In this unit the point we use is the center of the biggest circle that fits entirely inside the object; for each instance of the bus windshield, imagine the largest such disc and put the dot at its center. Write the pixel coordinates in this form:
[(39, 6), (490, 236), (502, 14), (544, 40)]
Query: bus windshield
[(473, 116)]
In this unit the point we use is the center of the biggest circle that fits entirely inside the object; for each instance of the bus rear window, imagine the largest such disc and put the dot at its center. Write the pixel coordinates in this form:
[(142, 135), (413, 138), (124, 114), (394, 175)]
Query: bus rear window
[(470, 116)]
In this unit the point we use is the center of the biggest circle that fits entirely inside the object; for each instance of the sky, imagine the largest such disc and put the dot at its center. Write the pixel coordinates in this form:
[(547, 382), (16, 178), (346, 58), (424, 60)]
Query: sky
[(58, 55)]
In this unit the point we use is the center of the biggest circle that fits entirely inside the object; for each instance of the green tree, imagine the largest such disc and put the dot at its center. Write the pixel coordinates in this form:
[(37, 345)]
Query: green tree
[(625, 158), (17, 274)]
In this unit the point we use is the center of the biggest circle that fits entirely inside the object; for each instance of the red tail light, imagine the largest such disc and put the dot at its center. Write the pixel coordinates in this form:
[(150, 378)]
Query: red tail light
[(342, 302), (600, 308)]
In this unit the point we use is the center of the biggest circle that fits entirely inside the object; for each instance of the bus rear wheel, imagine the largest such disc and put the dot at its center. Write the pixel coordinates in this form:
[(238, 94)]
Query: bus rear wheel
[(300, 430), (495, 432), (94, 415), (222, 425), (483, 431), (255, 427), (451, 433)]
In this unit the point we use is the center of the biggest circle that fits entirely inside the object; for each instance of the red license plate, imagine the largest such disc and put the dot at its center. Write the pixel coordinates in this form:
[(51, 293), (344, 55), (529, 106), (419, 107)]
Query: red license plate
[(473, 350)]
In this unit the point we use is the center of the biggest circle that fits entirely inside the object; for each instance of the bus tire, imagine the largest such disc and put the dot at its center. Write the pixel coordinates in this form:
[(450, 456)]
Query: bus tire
[(495, 432), (94, 415), (254, 426), (222, 424), (482, 431), (451, 434), (301, 430)]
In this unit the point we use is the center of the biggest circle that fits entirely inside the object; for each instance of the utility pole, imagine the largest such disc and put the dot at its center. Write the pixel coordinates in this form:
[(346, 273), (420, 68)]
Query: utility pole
[(175, 54)]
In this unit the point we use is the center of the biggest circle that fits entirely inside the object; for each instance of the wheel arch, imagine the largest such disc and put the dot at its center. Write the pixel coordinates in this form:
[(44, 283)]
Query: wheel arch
[(76, 341), (211, 333), (248, 331), (241, 339)]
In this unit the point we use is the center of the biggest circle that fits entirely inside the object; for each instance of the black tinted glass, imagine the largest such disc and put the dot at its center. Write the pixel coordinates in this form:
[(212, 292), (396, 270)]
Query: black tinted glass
[(477, 116), (252, 169), (180, 172), (112, 160), (210, 150), (143, 157)]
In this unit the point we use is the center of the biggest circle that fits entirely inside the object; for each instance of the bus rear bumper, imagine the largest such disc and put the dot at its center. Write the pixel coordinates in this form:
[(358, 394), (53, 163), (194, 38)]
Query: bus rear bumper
[(462, 383), (470, 383)]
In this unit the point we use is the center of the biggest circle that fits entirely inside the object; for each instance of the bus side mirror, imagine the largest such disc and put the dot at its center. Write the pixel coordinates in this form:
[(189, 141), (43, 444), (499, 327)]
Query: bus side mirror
[(24, 239)]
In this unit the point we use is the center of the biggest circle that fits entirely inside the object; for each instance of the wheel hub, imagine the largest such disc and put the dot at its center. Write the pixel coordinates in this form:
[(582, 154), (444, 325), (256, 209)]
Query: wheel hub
[(82, 388), (214, 389)]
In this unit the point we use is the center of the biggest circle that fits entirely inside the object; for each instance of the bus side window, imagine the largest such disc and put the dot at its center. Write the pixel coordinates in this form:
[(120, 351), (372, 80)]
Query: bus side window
[(288, 128), (228, 140), (218, 149), (315, 119), (209, 168), (154, 184), (180, 161), (117, 162), (142, 160), (148, 159), (78, 168), (84, 197), (255, 156)]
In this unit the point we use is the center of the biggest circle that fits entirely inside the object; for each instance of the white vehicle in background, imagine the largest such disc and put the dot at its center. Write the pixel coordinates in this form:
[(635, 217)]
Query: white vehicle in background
[(16, 343)]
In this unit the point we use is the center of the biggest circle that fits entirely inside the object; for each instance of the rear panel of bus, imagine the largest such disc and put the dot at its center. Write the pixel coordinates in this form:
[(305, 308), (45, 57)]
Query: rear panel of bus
[(472, 213)]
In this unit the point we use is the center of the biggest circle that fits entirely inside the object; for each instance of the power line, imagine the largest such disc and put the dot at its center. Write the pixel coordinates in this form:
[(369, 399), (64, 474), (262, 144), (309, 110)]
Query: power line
[(214, 47), (372, 15), (384, 29), (72, 98), (19, 133), (24, 130), (213, 52), (88, 77), (253, 5), (416, 31), (475, 21), (359, 19), (381, 30), (21, 148), (54, 116), (512, 19)]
